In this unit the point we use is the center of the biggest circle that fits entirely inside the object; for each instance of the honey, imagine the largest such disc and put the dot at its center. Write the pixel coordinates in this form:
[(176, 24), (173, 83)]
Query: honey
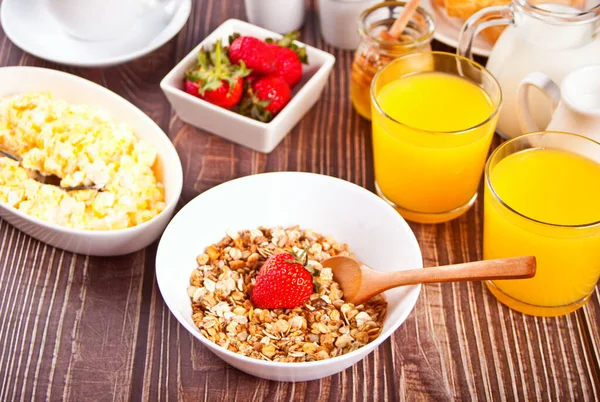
[(374, 52)]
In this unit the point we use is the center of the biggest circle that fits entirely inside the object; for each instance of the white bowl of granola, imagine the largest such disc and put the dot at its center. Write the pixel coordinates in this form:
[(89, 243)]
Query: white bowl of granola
[(208, 256)]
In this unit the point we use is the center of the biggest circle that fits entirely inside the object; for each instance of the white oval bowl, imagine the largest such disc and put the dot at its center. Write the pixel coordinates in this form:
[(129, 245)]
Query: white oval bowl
[(76, 90), (374, 231)]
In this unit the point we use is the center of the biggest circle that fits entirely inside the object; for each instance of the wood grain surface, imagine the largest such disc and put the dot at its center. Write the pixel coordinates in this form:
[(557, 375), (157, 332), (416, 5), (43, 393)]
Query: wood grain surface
[(83, 328)]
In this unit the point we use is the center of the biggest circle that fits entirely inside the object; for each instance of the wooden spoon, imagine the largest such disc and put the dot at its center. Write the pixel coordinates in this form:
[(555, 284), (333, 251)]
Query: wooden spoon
[(360, 282), (398, 27)]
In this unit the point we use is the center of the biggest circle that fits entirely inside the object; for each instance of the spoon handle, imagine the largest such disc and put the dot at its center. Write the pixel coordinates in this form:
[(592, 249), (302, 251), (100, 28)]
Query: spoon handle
[(505, 268), (9, 155), (402, 20)]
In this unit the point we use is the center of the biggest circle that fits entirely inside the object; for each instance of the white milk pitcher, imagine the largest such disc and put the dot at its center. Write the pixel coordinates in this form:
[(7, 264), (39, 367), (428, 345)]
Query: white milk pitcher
[(576, 103), (542, 35)]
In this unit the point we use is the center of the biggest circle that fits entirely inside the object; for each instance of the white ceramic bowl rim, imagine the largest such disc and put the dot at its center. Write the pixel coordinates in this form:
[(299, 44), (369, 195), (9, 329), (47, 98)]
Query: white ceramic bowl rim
[(375, 343), (295, 95), (100, 233)]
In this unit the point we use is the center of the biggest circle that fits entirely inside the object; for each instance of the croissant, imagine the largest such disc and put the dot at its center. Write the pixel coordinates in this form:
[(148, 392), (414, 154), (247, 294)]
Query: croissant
[(463, 9)]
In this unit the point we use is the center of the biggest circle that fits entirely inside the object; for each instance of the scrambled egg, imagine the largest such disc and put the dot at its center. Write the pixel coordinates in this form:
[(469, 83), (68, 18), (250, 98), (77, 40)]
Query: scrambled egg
[(82, 146)]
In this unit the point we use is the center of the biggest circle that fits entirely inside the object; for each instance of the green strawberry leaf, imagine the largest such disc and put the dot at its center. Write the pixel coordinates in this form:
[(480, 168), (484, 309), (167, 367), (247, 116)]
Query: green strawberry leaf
[(288, 41), (301, 52), (231, 81), (213, 67), (192, 76), (210, 84), (243, 70), (233, 37), (203, 58), (303, 256), (255, 108)]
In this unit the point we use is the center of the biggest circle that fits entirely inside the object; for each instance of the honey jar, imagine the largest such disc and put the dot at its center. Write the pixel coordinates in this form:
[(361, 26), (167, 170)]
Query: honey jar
[(374, 51)]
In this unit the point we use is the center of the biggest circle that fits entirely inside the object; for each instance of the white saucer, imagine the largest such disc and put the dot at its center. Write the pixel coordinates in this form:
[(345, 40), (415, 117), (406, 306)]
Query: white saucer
[(448, 28), (33, 30)]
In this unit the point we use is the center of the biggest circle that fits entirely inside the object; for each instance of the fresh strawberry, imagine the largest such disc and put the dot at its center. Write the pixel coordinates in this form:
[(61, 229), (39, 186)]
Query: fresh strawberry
[(192, 88), (289, 67), (215, 79), (283, 282), (220, 96), (225, 96), (265, 98), (288, 58), (275, 90), (253, 52)]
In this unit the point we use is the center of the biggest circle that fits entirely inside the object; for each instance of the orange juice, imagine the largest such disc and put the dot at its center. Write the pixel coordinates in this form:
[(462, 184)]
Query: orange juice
[(367, 61), (430, 149), (554, 194)]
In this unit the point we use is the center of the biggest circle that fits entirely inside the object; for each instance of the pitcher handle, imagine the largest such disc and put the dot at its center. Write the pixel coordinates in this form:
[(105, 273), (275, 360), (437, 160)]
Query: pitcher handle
[(482, 19), (548, 87)]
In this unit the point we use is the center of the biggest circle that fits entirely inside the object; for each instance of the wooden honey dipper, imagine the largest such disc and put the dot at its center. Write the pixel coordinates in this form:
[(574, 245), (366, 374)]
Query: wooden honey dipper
[(398, 27)]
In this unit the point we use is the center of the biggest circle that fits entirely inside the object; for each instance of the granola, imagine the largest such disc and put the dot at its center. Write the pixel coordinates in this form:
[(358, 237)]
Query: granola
[(325, 327)]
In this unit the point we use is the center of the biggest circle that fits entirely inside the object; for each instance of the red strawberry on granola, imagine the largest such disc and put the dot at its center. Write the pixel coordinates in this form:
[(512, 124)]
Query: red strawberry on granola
[(215, 79), (282, 282)]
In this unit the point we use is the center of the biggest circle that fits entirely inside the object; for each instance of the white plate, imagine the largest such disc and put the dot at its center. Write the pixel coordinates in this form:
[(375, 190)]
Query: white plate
[(29, 26), (374, 231), (76, 90), (448, 28)]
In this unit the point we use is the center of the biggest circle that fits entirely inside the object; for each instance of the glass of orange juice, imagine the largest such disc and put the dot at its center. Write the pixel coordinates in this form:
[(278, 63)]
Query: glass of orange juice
[(542, 198), (434, 115)]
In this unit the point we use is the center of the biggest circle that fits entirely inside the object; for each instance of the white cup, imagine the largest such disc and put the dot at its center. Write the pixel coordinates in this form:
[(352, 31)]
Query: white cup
[(276, 15), (338, 20), (96, 20)]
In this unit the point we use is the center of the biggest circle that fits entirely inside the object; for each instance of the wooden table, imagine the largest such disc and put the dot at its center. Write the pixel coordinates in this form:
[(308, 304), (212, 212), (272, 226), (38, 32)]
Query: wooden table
[(86, 328)]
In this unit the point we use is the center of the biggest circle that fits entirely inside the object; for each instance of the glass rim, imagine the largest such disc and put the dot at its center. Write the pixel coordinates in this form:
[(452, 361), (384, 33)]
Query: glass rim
[(444, 54), (583, 16), (425, 38), (489, 185)]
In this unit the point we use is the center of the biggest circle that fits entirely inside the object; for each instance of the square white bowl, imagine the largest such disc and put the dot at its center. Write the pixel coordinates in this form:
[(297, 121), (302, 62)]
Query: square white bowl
[(262, 137)]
